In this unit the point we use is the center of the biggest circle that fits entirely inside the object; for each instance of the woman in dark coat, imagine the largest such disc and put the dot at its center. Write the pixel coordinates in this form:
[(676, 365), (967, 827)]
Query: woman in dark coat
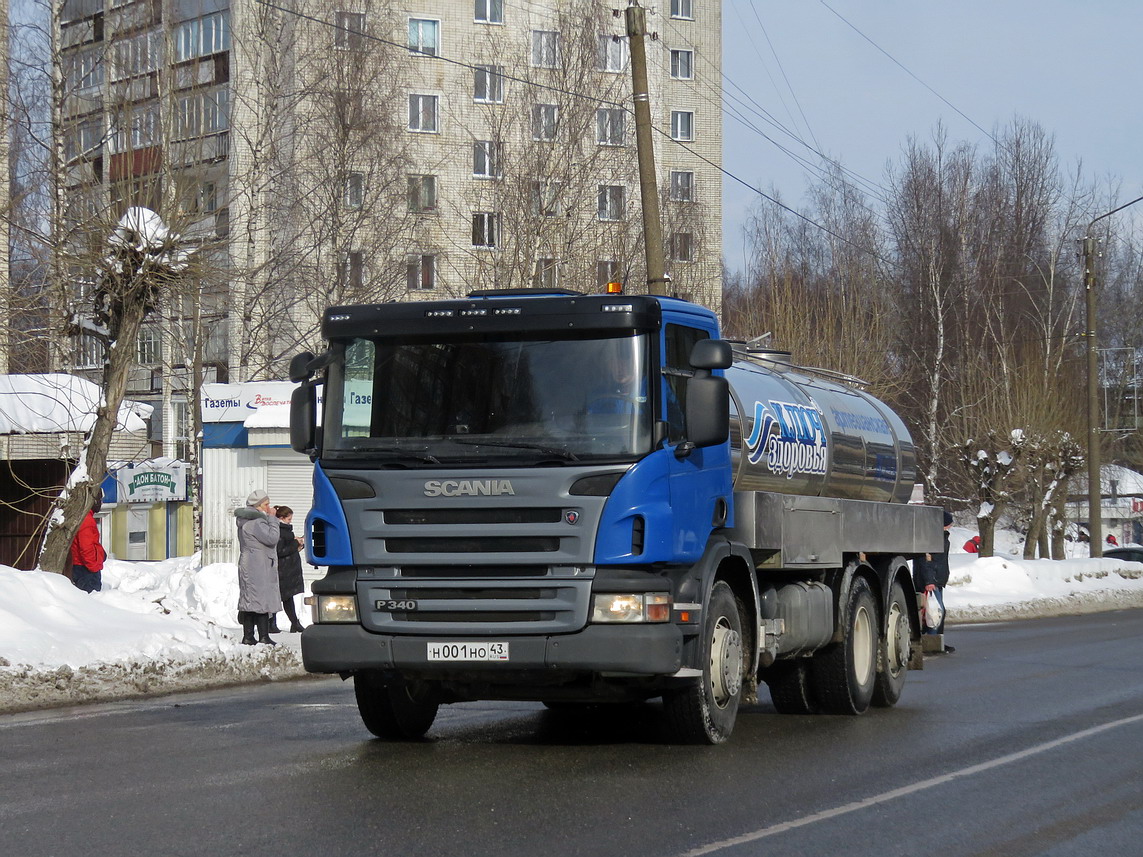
[(289, 566)]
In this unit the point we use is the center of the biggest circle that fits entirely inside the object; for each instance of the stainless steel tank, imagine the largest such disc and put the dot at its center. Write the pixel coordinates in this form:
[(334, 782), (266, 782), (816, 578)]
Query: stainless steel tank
[(794, 431)]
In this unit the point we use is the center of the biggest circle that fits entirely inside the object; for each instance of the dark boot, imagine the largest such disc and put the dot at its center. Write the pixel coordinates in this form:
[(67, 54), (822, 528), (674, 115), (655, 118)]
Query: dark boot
[(292, 615), (247, 627), (263, 622), (274, 629)]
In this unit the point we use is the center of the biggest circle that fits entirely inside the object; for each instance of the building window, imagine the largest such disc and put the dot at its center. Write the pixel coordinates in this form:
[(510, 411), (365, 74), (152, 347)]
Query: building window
[(89, 351), (682, 125), (422, 194), (486, 158), (546, 197), (137, 127), (489, 12), (488, 84), (545, 48), (150, 351), (484, 228), (424, 36), (136, 55), (682, 9), (349, 32), (682, 65), (612, 201), (606, 271), (682, 247), (545, 275), (612, 53), (682, 186), (202, 37), (202, 113), (353, 193), (207, 198), (610, 126), (423, 113), (545, 121), (349, 108), (421, 271), (84, 69), (351, 270)]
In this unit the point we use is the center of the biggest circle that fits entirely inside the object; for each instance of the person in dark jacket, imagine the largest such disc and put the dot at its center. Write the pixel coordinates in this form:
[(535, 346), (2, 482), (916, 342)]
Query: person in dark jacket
[(258, 597), (931, 574), (290, 579), (87, 553)]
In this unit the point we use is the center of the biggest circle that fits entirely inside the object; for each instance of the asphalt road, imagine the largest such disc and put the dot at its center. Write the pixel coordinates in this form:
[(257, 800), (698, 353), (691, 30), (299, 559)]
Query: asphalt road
[(1027, 741)]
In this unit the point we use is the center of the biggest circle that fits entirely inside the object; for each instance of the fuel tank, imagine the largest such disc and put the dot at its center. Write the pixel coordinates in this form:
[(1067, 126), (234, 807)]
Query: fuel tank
[(799, 431)]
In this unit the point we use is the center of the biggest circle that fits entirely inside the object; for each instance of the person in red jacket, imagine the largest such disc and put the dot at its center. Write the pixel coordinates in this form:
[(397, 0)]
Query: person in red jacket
[(87, 553), (972, 545)]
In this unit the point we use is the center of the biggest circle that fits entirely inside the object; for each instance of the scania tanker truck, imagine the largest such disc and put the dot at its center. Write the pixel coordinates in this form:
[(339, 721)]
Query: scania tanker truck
[(593, 499)]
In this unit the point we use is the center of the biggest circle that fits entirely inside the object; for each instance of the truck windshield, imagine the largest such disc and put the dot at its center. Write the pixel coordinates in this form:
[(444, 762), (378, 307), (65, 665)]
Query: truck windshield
[(556, 400)]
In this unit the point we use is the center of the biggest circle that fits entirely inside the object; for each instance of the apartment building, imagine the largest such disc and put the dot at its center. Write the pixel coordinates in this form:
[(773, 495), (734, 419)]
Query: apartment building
[(317, 153)]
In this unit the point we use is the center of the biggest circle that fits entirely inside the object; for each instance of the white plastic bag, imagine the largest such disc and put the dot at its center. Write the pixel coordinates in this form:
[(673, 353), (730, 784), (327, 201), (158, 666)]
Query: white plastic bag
[(932, 610)]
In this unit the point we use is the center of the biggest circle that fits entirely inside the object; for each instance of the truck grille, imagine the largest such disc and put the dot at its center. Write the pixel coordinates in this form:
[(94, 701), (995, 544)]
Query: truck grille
[(474, 544), (497, 515), (481, 607)]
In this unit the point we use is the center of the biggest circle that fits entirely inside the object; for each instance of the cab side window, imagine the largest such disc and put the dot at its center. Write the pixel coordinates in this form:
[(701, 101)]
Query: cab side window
[(679, 341)]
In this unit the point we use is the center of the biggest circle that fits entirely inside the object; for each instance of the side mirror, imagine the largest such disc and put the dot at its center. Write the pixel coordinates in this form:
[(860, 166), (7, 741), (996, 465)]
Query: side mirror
[(300, 367), (711, 354), (708, 410), (303, 417)]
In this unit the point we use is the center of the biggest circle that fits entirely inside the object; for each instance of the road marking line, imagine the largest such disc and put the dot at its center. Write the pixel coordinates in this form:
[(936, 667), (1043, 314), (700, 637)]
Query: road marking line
[(908, 790)]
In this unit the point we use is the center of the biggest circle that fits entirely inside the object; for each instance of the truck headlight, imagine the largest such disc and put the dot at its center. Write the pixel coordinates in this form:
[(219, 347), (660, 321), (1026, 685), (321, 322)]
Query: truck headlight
[(630, 607), (335, 608)]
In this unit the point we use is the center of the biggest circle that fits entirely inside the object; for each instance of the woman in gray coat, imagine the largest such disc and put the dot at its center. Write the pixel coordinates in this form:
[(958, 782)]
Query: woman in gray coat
[(258, 596)]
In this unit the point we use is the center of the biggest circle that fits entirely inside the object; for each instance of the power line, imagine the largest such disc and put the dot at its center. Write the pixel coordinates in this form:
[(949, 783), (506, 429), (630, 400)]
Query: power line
[(894, 60)]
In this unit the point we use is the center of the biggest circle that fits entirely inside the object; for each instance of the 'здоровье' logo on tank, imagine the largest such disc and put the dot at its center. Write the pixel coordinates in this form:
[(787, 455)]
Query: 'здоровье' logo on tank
[(790, 437)]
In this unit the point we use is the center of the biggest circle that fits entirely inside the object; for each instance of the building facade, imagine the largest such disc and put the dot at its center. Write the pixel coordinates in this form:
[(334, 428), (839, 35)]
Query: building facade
[(320, 153)]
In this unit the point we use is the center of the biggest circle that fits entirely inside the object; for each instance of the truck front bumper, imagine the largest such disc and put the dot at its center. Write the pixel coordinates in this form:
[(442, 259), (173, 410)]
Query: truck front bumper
[(637, 650)]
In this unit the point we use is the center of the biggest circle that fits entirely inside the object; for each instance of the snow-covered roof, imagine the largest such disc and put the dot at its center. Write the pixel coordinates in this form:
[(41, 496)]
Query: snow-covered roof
[(31, 404), (1126, 481)]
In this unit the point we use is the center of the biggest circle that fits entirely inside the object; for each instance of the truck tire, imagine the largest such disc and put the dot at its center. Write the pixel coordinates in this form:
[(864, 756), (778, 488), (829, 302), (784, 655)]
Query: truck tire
[(844, 673), (395, 710), (893, 655), (790, 689), (704, 712)]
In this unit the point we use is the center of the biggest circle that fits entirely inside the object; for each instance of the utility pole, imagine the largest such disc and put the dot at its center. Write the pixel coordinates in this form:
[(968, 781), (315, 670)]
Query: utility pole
[(657, 279), (1094, 489)]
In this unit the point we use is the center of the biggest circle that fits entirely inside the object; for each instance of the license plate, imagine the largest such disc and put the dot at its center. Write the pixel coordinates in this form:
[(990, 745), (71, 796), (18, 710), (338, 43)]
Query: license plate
[(468, 651)]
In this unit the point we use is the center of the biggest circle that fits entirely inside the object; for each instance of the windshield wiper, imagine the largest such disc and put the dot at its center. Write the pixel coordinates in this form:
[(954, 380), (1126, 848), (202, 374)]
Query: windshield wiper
[(421, 455), (565, 454)]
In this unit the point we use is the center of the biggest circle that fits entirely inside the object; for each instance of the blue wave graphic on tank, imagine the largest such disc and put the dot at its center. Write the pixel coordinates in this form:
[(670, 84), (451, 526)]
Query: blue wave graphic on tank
[(790, 437)]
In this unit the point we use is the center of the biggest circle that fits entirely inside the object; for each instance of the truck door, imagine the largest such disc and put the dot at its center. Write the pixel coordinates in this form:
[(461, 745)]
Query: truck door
[(698, 480)]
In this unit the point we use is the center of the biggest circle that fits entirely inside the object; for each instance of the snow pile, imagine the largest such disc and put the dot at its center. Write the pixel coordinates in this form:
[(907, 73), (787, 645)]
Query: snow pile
[(156, 627)]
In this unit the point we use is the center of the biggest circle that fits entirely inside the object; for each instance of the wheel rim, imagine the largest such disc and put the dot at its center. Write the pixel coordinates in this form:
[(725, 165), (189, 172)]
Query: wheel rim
[(897, 633), (725, 662), (864, 652)]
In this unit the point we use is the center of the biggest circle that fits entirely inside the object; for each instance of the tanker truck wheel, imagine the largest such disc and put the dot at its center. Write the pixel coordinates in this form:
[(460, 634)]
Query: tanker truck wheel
[(844, 673), (894, 651), (704, 712), (394, 709), (790, 690)]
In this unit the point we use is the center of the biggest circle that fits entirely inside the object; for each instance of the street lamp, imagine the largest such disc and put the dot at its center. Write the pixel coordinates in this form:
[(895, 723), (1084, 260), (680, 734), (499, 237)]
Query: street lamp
[(1094, 491)]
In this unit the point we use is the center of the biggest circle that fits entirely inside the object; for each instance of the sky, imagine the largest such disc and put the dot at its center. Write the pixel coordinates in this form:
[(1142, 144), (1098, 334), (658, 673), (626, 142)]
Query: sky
[(159, 627), (1073, 68)]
